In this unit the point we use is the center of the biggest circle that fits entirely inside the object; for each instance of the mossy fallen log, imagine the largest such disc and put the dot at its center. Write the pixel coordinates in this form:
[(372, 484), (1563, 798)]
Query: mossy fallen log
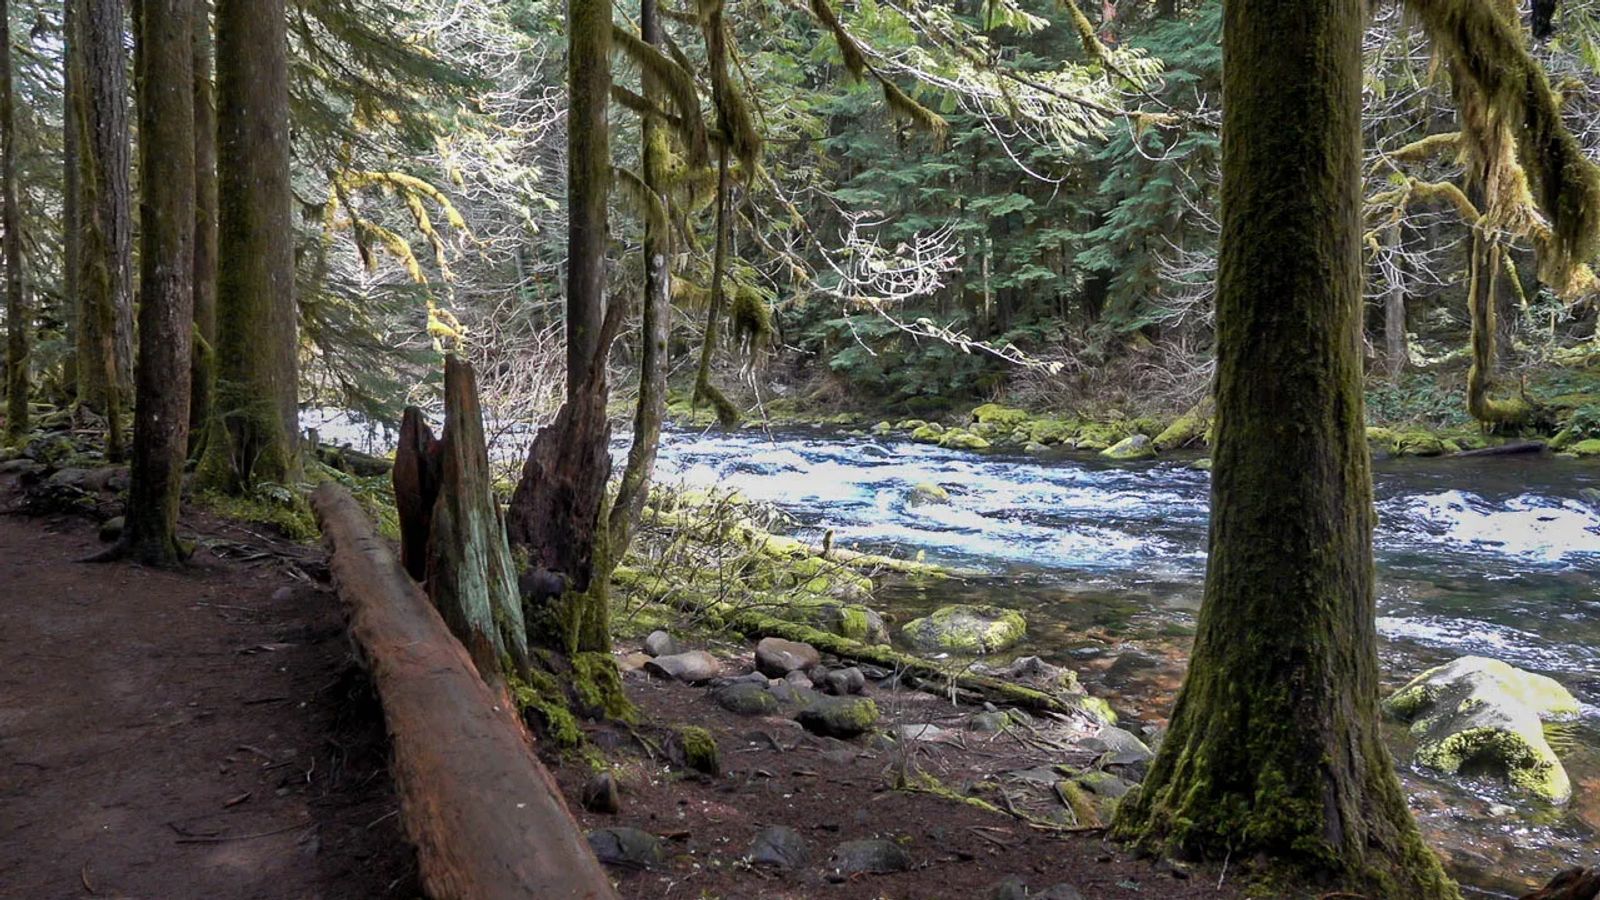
[(485, 816)]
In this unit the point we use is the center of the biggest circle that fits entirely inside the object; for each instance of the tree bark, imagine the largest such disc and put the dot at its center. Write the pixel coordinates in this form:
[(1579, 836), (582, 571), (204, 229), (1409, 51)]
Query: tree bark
[(470, 577), (71, 192), (1396, 349), (656, 328), (1275, 749), (19, 319), (202, 369), (460, 758), (416, 489), (253, 435), (557, 511), (166, 305), (1505, 413), (704, 389), (105, 308)]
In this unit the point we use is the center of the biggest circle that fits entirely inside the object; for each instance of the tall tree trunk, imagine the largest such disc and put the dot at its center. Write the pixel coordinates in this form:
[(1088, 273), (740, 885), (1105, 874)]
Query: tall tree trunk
[(254, 427), (19, 319), (202, 370), (166, 298), (1482, 286), (71, 192), (634, 489), (1396, 349), (1275, 749), (556, 513), (105, 307)]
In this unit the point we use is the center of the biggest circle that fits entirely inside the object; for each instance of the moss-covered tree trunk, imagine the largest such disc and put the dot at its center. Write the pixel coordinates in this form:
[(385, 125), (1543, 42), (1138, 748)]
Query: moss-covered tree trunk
[(19, 320), (105, 303), (1482, 286), (166, 299), (634, 488), (71, 240), (253, 432), (1274, 749), (202, 369), (555, 514), (1396, 349)]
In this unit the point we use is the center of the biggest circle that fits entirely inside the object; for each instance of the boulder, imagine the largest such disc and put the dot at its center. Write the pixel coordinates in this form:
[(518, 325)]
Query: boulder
[(747, 699), (626, 848), (856, 622), (839, 717), (659, 643), (843, 682), (927, 493), (600, 794), (111, 529), (875, 857), (927, 433), (1000, 416), (780, 847), (692, 667), (1138, 446), (956, 439), (1117, 747), (966, 629), (1481, 716), (776, 657)]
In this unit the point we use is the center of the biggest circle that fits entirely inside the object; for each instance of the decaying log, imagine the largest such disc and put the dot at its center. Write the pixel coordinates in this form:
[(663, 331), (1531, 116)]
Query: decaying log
[(1573, 884), (1520, 448), (486, 817), (416, 488), (470, 576)]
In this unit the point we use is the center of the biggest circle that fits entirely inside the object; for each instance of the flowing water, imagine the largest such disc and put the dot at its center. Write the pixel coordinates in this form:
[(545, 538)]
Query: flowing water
[(1496, 557)]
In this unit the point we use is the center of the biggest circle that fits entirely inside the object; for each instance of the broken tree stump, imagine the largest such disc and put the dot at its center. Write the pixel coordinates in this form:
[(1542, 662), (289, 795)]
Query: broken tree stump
[(470, 576), (1573, 884), (486, 817), (416, 489)]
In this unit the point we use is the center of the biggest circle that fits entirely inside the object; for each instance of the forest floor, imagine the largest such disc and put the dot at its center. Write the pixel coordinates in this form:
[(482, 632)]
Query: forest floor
[(835, 793), (193, 734)]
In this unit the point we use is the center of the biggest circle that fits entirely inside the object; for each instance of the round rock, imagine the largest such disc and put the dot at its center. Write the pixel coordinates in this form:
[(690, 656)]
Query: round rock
[(776, 657), (692, 667)]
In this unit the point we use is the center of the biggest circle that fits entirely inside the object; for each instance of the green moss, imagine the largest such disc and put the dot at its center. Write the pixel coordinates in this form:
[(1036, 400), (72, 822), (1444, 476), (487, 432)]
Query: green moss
[(597, 686), (699, 749), (1052, 431), (1083, 808), (994, 414), (962, 440), (1131, 448), (1185, 430), (282, 509), (967, 629), (928, 433), (1590, 447), (542, 695)]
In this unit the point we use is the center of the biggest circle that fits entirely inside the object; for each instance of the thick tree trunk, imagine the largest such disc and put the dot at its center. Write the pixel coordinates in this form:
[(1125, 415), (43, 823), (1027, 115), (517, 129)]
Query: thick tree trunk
[(460, 758), (557, 511), (634, 489), (166, 300), (105, 308), (470, 577), (1274, 749), (202, 369), (19, 320), (253, 435)]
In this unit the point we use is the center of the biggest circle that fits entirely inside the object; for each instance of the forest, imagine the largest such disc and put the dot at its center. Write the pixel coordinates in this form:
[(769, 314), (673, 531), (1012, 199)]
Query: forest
[(858, 448)]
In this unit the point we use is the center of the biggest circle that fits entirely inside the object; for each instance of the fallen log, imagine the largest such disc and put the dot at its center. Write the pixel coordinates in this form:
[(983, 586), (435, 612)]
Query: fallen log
[(485, 816), (1520, 448)]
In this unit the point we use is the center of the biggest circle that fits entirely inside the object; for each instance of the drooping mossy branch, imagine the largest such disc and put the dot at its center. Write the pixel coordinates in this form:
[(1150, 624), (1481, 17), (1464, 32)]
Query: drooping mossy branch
[(1505, 99), (856, 63), (677, 82)]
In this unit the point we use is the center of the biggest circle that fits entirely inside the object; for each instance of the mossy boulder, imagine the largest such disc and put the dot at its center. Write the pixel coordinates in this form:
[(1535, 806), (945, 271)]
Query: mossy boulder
[(1418, 443), (1590, 447), (693, 747), (966, 629), (927, 433), (1003, 417), (1130, 448), (853, 621), (1187, 429), (963, 440), (746, 698), (882, 428), (927, 494), (1052, 431), (839, 717), (1479, 716)]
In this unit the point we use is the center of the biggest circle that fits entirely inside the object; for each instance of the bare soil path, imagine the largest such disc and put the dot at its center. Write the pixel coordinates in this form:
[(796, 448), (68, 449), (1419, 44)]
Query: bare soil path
[(192, 734)]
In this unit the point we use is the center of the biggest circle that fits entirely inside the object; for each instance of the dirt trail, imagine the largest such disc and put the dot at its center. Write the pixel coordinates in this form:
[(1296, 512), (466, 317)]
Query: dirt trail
[(172, 735)]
